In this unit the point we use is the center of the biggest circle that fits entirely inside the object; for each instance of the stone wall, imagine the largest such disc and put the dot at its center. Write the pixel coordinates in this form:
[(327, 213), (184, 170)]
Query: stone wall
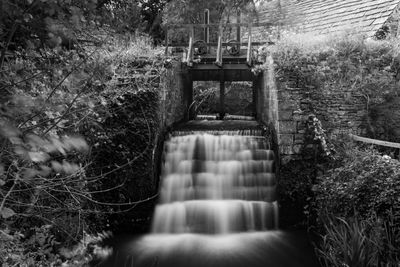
[(340, 112), (172, 98), (286, 104)]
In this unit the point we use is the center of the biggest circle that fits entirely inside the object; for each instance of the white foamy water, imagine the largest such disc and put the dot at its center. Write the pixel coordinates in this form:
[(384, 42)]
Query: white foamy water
[(216, 184)]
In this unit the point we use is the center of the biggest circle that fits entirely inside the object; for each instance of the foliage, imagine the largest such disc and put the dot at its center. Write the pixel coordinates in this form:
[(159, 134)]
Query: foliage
[(41, 248), (334, 62), (295, 194), (151, 12), (367, 183), (191, 11), (358, 242), (346, 65), (350, 243), (385, 121), (364, 191), (52, 97), (315, 134), (72, 23)]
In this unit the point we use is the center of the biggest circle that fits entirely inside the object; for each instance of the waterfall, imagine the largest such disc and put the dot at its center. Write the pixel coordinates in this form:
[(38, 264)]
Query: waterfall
[(217, 205), (217, 183)]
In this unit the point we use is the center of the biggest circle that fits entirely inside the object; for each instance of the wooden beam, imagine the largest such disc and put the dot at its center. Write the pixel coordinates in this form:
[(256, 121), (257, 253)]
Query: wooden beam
[(207, 29), (221, 96), (216, 25), (192, 107), (255, 86), (189, 59), (374, 141), (238, 35), (166, 42), (225, 66), (249, 48), (216, 44), (218, 60)]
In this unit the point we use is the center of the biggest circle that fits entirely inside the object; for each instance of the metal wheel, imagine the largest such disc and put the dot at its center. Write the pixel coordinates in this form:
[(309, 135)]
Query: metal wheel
[(200, 47), (233, 47)]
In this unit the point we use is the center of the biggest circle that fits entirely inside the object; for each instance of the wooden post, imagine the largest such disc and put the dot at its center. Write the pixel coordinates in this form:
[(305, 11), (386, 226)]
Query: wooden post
[(207, 29), (249, 46), (218, 61), (191, 107), (166, 42), (188, 94), (191, 32), (238, 35), (221, 96), (255, 87), (189, 59)]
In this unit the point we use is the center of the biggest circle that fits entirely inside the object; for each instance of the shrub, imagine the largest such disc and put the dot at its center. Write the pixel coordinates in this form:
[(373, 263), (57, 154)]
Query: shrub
[(295, 194), (349, 243), (40, 248), (52, 97), (367, 183), (364, 192), (349, 67)]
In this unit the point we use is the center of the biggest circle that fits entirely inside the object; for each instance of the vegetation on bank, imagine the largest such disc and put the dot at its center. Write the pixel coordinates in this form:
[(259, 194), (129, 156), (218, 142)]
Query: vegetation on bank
[(65, 77), (367, 68), (359, 210), (78, 117), (347, 193)]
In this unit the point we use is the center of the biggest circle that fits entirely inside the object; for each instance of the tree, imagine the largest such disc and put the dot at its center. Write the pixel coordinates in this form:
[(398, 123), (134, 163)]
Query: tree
[(190, 11), (151, 11), (221, 11)]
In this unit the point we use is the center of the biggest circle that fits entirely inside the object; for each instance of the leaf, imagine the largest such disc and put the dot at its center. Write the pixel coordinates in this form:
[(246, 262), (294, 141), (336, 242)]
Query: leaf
[(76, 143), (57, 167), (70, 168), (38, 156), (29, 173), (44, 171), (58, 145), (2, 182), (7, 213)]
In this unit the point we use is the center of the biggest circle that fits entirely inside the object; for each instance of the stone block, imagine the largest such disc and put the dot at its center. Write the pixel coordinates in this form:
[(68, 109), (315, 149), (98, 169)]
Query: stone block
[(299, 136), (287, 127), (285, 139), (299, 117), (285, 115), (286, 150), (287, 105), (300, 125), (297, 149)]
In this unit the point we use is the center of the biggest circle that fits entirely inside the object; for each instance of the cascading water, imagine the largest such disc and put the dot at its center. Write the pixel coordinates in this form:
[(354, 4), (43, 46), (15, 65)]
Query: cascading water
[(217, 184), (217, 205)]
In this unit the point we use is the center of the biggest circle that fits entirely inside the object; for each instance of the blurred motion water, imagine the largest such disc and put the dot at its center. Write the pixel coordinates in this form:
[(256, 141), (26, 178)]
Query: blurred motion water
[(217, 207)]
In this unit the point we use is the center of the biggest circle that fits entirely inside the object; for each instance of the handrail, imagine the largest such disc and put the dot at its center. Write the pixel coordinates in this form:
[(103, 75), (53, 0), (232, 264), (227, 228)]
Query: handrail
[(374, 141)]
